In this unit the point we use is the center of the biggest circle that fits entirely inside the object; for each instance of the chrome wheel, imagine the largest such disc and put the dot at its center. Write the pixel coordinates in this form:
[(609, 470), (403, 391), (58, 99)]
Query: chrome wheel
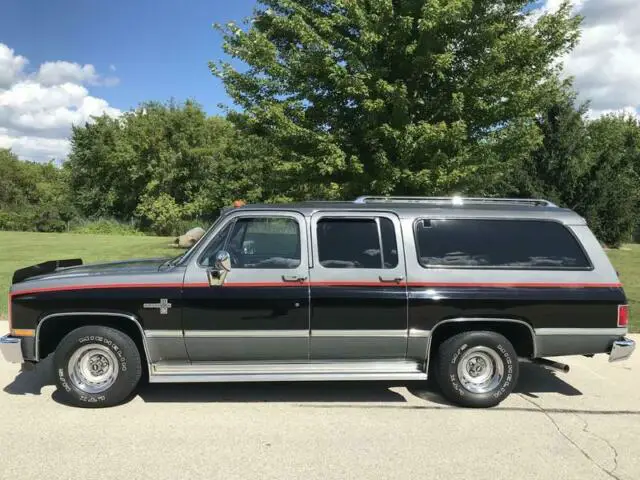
[(480, 370), (93, 368)]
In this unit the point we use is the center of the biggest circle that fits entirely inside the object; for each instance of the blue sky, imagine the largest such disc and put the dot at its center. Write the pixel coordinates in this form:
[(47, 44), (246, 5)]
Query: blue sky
[(63, 62), (160, 48)]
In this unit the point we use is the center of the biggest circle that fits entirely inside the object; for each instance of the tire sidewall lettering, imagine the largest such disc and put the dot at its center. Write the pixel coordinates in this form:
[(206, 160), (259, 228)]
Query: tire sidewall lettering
[(113, 346), (125, 353), (84, 397), (63, 380)]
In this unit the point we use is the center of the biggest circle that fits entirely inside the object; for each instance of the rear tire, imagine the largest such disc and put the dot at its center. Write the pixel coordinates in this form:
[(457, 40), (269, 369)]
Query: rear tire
[(96, 367), (476, 369)]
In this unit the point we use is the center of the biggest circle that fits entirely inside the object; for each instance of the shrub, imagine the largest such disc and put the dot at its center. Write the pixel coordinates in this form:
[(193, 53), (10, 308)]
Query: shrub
[(161, 214), (32, 220), (15, 221)]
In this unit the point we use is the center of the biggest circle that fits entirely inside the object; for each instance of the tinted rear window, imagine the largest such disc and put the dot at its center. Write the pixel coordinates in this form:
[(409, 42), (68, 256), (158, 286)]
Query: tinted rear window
[(355, 243), (515, 244)]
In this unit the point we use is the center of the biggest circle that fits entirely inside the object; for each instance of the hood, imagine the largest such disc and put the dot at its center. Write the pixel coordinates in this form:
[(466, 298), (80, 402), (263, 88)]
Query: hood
[(73, 268)]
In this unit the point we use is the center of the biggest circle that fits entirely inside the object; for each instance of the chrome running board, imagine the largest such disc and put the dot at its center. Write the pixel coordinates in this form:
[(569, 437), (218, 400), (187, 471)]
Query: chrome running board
[(202, 372)]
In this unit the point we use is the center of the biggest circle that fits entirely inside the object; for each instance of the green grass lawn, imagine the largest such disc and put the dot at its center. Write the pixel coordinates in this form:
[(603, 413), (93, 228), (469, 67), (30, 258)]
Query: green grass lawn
[(20, 249)]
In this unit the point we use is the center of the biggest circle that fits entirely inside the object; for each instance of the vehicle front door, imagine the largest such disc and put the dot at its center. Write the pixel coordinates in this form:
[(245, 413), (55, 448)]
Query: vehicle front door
[(259, 309), (358, 287)]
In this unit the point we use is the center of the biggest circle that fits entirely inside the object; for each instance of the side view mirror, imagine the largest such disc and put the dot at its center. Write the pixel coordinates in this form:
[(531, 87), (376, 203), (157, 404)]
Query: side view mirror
[(223, 261), (221, 267)]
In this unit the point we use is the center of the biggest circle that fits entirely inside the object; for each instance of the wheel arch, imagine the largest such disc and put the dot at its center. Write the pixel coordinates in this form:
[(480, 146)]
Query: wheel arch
[(131, 327), (519, 332)]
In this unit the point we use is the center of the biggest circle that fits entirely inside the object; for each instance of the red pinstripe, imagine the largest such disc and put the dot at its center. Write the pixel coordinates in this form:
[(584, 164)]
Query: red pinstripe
[(111, 286), (516, 285), (97, 286)]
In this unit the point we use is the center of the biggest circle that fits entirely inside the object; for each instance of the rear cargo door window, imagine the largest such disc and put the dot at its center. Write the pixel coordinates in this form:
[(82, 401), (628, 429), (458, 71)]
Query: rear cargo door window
[(513, 244)]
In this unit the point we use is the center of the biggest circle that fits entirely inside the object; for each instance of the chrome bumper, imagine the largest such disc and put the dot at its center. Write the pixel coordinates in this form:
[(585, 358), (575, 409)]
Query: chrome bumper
[(11, 349), (622, 349)]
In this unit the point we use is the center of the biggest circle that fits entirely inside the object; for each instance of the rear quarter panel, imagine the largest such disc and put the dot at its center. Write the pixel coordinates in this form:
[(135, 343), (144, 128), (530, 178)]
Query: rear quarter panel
[(547, 300)]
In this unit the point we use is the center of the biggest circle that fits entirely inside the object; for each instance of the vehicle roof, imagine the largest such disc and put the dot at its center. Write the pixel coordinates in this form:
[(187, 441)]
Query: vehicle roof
[(411, 210)]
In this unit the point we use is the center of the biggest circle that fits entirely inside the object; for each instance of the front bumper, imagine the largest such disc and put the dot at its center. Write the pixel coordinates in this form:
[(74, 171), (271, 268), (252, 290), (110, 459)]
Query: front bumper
[(11, 348), (622, 349)]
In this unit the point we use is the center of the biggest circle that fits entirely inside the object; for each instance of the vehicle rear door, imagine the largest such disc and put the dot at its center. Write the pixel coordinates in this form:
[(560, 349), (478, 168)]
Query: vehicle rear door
[(358, 286)]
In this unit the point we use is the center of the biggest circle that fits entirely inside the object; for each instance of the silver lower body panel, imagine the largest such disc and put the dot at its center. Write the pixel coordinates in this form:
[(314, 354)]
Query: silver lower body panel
[(166, 348), (255, 349), (353, 347), (11, 348), (565, 342), (173, 372)]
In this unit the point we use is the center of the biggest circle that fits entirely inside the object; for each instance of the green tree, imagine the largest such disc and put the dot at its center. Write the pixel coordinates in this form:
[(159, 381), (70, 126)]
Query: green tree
[(33, 196), (555, 169), (156, 151), (165, 163), (395, 96), (101, 169), (610, 197), (590, 166)]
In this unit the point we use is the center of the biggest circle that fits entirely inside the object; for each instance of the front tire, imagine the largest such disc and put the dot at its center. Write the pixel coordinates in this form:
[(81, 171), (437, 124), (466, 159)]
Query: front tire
[(477, 369), (97, 366)]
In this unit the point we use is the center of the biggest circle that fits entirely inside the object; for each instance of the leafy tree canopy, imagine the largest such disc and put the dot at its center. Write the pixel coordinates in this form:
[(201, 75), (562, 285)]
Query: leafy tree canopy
[(395, 96)]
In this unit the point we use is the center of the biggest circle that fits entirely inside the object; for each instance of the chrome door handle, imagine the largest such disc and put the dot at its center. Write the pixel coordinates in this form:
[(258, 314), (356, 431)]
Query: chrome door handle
[(391, 279), (293, 278)]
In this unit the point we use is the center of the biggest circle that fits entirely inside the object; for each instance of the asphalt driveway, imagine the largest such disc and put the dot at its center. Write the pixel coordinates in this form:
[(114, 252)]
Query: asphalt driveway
[(580, 425)]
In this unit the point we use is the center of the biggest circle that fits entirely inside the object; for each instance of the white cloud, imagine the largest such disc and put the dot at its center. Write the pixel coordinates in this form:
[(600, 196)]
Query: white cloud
[(57, 73), (627, 111), (37, 149), (37, 110), (606, 63), (11, 65)]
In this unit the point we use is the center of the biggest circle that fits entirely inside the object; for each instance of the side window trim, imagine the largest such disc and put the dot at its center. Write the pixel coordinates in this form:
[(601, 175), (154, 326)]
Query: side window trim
[(380, 244), (375, 216), (419, 220), (232, 225)]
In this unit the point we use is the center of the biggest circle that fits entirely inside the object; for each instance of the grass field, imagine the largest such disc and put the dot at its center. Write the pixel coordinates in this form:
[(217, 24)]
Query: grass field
[(18, 249), (21, 249)]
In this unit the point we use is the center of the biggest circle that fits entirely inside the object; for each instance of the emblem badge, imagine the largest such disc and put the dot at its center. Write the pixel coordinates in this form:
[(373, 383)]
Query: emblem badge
[(163, 306)]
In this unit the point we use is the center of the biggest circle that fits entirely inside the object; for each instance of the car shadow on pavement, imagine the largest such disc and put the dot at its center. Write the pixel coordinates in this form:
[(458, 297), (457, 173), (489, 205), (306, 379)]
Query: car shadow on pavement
[(534, 379), (30, 381), (285, 392)]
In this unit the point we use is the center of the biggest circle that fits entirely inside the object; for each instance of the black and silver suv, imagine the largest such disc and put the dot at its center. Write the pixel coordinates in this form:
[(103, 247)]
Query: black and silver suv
[(381, 288)]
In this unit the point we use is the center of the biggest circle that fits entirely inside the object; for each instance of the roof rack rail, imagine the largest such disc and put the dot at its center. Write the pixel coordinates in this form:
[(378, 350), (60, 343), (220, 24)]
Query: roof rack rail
[(457, 200)]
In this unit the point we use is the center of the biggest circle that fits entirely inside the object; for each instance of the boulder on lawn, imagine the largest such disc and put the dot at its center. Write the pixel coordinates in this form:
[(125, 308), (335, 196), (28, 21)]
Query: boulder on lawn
[(190, 238)]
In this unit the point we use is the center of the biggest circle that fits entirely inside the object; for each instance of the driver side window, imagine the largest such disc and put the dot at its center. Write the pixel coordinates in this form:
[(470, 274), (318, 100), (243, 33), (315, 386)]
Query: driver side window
[(258, 242)]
